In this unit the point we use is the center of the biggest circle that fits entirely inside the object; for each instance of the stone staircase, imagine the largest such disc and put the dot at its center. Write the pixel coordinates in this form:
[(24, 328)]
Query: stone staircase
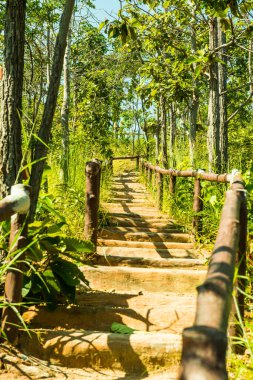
[(145, 277)]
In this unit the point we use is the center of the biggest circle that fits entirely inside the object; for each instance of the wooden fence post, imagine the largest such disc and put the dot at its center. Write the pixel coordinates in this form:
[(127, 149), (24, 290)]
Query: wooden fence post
[(159, 190), (197, 207), (14, 277), (93, 173), (146, 174), (137, 162), (172, 184), (149, 176)]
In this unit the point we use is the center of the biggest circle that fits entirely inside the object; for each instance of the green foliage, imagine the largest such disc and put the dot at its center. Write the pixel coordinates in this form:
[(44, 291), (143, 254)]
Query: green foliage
[(119, 328)]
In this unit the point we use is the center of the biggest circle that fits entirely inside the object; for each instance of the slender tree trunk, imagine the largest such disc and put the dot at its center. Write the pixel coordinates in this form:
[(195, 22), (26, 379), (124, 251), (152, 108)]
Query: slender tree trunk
[(48, 55), (213, 107), (11, 96), (158, 133), (164, 143), (65, 113), (49, 109), (172, 115), (222, 69), (194, 101)]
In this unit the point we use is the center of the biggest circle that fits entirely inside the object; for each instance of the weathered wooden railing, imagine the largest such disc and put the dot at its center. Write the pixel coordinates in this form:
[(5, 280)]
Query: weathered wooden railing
[(158, 173), (204, 344)]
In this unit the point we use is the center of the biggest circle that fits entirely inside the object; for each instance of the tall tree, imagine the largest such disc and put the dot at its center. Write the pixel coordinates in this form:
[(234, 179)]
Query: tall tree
[(41, 147), (214, 105), (11, 94)]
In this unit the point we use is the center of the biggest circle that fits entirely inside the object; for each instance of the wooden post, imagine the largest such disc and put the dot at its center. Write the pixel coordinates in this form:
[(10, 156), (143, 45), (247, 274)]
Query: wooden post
[(20, 199), (137, 162), (110, 164), (159, 190), (172, 184), (93, 172), (204, 354), (197, 207), (149, 177), (146, 175), (141, 167)]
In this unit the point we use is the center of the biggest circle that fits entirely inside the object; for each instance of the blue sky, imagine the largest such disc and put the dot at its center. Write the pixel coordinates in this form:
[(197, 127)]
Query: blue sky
[(105, 8)]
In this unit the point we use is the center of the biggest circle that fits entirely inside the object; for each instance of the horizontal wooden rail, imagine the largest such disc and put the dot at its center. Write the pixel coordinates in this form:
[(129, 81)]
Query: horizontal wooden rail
[(125, 158), (212, 177), (205, 344)]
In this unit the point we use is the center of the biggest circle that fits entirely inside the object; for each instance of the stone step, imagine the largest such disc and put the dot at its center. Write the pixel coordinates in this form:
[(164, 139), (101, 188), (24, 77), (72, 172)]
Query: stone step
[(129, 195), (139, 353), (141, 212), (150, 253), (169, 229), (169, 313), (145, 236), (141, 222), (149, 262), (137, 205), (124, 279), (146, 244), (122, 190), (160, 217), (135, 201)]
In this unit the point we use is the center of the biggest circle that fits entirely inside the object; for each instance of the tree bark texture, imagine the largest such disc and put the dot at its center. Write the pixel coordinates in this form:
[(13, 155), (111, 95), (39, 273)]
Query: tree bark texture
[(11, 96), (222, 73), (65, 112), (164, 143), (194, 101), (213, 106), (49, 109), (172, 135)]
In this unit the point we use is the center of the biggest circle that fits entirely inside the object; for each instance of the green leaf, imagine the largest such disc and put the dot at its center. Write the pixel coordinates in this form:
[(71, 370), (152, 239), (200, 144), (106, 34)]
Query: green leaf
[(68, 272), (27, 285), (35, 253), (102, 24), (78, 245), (121, 329), (68, 291), (51, 280)]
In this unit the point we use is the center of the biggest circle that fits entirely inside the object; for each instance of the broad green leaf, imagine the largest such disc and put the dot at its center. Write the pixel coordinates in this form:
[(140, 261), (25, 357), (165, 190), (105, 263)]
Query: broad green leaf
[(119, 328), (69, 272), (51, 280)]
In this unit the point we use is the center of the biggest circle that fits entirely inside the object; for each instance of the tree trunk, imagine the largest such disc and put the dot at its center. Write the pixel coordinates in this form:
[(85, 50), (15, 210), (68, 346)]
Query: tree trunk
[(158, 132), (194, 101), (49, 109), (65, 113), (172, 135), (213, 106), (222, 70), (11, 96), (163, 132)]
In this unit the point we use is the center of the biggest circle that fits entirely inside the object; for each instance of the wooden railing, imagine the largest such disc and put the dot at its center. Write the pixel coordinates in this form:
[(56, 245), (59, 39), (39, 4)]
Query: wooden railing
[(205, 343), (150, 170)]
